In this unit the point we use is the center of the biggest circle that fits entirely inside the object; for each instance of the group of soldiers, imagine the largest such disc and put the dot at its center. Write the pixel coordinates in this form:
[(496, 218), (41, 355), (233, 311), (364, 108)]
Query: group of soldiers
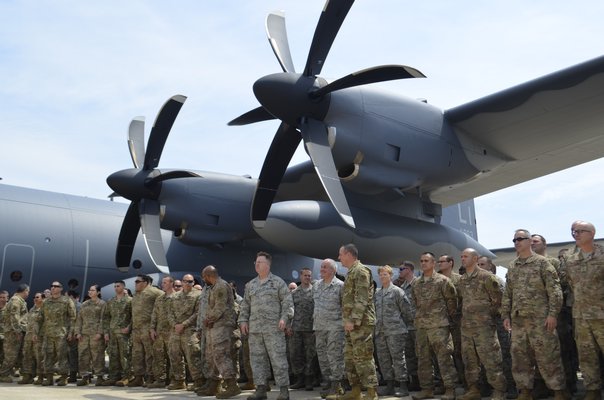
[(428, 333)]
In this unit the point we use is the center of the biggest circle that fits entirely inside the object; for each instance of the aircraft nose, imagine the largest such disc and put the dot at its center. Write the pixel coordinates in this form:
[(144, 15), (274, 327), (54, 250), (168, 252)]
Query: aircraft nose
[(286, 96)]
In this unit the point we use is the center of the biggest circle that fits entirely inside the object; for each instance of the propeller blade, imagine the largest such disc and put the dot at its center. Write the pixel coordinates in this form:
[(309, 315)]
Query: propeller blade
[(332, 17), (277, 159), (136, 141), (127, 238), (277, 37), (256, 115), (380, 73), (149, 219), (172, 175), (315, 138), (161, 129)]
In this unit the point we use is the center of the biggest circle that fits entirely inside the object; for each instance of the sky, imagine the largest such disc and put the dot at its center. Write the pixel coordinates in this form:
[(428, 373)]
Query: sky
[(73, 74)]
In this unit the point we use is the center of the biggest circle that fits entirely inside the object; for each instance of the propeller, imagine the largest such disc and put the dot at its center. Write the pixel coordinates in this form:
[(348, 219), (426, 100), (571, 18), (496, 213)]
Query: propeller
[(142, 185), (301, 102)]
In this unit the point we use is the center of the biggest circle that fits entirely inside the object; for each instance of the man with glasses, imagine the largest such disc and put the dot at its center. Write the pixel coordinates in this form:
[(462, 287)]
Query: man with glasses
[(531, 303), (266, 310), (56, 324), (117, 321), (142, 304), (14, 322), (160, 330), (584, 271), (177, 285), (184, 343)]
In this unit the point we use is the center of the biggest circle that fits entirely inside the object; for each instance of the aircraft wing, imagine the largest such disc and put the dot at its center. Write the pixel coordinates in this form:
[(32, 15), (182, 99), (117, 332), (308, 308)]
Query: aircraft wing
[(530, 130)]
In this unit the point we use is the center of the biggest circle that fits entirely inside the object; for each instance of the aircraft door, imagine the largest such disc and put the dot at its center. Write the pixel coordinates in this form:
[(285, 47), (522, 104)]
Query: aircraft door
[(17, 265)]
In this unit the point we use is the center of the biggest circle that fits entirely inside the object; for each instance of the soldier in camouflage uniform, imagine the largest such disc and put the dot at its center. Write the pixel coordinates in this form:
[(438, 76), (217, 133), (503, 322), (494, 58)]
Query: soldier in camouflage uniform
[(266, 308), (406, 277), (436, 303), (302, 350), (14, 322), (328, 327), (220, 322), (182, 314), (3, 301), (446, 263), (584, 272), (117, 322), (55, 325), (481, 298), (32, 357), (530, 308), (89, 333), (358, 314), (161, 329), (142, 345), (393, 310)]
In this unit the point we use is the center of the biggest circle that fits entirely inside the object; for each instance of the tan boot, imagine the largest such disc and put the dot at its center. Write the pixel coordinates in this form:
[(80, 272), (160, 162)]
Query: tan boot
[(249, 385), (177, 385), (449, 394), (423, 395), (62, 381), (84, 381), (158, 384), (99, 380), (525, 394), (136, 382), (335, 389), (473, 393), (371, 394), (48, 380), (122, 382), (212, 389), (232, 390), (354, 394)]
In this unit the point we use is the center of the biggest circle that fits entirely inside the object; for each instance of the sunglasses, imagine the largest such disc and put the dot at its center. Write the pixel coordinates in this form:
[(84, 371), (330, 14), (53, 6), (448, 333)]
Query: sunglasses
[(519, 239), (177, 285), (59, 286), (189, 282), (138, 281)]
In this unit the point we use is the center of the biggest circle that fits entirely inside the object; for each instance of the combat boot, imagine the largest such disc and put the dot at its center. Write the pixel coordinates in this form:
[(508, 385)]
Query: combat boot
[(561, 395), (39, 379), (122, 382), (109, 382), (414, 383), (177, 385), (498, 395), (259, 394), (309, 383), (525, 394), (137, 381), (48, 380), (99, 380), (335, 389), (449, 394), (283, 393), (73, 377), (199, 384), (249, 385), (354, 394), (299, 384), (593, 395), (212, 389), (388, 390), (325, 390), (158, 384), (402, 391), (62, 381), (423, 395), (232, 390), (84, 381), (6, 379), (473, 393), (26, 380), (371, 394)]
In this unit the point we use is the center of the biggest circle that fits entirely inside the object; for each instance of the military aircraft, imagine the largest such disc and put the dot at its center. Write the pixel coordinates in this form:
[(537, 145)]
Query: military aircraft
[(381, 170)]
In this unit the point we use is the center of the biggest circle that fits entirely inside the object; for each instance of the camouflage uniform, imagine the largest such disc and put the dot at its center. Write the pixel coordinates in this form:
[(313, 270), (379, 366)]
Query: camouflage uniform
[(222, 331), (206, 368), (585, 275), (32, 351), (436, 302), (329, 328), (265, 303), (183, 309), (14, 323), (410, 355), (392, 309), (117, 315), (91, 346), (455, 328), (481, 298), (56, 322), (161, 324), (303, 350), (142, 346), (532, 293), (358, 308)]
